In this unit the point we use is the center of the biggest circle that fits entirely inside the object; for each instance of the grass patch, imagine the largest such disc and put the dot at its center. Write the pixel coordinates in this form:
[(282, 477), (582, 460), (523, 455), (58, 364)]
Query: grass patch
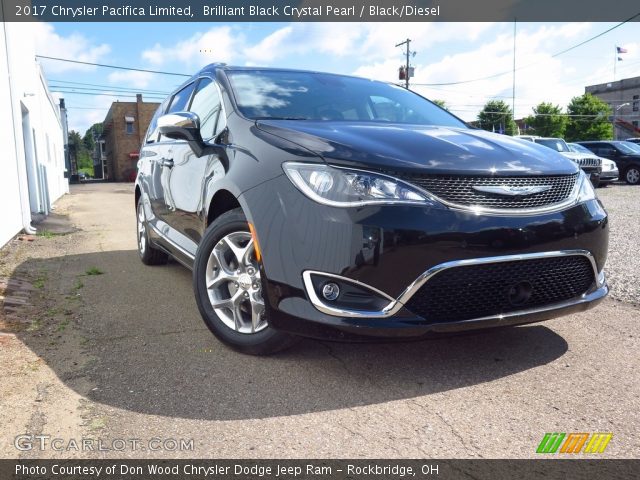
[(94, 271), (62, 325), (35, 325), (97, 424), (39, 282), (46, 234), (78, 285)]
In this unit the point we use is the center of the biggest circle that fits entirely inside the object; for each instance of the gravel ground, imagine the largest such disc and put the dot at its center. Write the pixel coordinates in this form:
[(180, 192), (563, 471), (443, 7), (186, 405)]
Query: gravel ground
[(623, 264)]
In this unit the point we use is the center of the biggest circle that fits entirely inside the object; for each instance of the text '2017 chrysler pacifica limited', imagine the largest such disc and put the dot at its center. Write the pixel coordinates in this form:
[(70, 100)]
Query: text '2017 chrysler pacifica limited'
[(342, 208)]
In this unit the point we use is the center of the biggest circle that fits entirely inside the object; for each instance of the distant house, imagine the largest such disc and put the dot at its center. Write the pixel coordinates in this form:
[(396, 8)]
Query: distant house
[(125, 126), (33, 168)]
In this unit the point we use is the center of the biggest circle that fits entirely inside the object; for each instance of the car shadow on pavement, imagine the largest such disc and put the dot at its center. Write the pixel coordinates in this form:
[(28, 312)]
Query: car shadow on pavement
[(144, 348)]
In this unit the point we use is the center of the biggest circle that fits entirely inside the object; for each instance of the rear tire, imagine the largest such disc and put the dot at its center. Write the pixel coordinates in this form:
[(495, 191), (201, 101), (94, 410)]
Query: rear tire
[(632, 175), (228, 289), (148, 254)]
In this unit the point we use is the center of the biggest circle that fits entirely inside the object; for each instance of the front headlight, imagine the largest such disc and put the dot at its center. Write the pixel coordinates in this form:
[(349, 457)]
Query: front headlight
[(586, 191), (342, 187)]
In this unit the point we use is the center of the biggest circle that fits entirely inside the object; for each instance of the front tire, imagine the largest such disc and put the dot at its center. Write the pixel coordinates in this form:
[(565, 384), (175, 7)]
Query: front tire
[(632, 175), (228, 288)]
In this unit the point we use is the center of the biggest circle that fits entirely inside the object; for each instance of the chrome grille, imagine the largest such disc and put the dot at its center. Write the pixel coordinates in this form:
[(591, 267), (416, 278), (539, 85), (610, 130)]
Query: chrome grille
[(589, 162), (458, 190)]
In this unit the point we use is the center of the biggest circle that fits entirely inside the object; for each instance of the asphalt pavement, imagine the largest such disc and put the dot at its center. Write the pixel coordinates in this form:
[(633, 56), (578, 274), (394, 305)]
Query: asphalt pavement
[(122, 353)]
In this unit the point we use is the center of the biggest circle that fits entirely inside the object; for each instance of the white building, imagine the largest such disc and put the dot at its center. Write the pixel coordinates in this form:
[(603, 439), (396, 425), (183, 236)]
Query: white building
[(32, 164)]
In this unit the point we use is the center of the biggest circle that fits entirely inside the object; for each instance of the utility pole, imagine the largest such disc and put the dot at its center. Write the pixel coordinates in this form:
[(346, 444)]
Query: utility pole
[(406, 80), (513, 94)]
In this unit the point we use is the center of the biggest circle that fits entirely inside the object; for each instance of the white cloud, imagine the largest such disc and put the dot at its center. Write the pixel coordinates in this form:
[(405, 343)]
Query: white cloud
[(75, 46), (82, 114), (215, 45), (544, 80), (362, 41), (130, 78)]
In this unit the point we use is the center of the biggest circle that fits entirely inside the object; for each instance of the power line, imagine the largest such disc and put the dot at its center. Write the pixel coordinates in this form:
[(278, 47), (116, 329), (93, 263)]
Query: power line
[(105, 94), (115, 89), (113, 66), (488, 77), (141, 90)]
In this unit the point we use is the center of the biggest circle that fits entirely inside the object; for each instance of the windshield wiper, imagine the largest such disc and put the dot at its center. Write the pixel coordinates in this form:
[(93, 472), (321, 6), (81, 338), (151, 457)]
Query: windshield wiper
[(280, 118)]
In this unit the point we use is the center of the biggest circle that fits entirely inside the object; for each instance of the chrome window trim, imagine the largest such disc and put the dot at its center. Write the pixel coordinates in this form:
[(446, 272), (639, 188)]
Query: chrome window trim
[(395, 305)]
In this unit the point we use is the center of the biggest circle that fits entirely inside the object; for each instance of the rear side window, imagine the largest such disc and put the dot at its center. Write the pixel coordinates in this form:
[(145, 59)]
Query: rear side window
[(206, 104)]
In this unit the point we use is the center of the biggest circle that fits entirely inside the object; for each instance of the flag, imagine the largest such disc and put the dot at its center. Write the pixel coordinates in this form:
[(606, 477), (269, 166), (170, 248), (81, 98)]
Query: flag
[(621, 50)]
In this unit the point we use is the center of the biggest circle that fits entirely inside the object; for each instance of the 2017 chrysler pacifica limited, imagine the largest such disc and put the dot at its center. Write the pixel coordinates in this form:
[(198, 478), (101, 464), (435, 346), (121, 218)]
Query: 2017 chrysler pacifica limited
[(337, 207)]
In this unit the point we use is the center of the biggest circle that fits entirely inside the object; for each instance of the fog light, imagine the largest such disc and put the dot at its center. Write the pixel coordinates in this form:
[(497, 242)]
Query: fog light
[(330, 291)]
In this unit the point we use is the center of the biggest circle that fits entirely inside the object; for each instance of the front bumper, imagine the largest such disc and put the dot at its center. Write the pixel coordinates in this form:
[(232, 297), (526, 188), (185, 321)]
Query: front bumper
[(389, 248), (609, 176)]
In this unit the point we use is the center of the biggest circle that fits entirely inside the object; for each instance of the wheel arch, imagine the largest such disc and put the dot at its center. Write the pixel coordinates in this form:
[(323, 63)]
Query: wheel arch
[(138, 194), (221, 202)]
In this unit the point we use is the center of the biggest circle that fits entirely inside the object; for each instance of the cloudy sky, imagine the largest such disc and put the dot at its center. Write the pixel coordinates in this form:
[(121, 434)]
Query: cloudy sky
[(445, 53)]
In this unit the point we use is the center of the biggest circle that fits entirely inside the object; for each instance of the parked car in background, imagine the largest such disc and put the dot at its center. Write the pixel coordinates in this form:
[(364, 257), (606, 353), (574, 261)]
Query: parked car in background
[(610, 172), (590, 163), (625, 154), (343, 208), (635, 140)]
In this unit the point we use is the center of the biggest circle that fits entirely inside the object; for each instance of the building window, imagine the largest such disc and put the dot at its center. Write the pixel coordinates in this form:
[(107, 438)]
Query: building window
[(129, 124), (636, 103)]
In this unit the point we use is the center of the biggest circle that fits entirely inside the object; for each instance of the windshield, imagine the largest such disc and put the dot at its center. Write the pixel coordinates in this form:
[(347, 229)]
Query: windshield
[(579, 148), (628, 147), (556, 144), (287, 95)]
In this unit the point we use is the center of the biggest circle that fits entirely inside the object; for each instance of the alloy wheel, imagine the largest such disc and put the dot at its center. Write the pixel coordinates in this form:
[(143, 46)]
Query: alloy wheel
[(633, 175), (142, 234), (233, 283)]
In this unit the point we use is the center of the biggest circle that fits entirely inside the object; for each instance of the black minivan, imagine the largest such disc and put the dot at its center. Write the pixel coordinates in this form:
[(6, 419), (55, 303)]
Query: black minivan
[(342, 208)]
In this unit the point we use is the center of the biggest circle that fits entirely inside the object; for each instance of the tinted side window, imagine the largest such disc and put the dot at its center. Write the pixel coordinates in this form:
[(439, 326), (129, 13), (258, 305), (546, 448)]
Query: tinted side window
[(206, 104), (180, 100)]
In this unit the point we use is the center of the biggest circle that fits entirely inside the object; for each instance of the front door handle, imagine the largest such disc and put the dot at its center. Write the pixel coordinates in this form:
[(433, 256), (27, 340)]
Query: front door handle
[(166, 162)]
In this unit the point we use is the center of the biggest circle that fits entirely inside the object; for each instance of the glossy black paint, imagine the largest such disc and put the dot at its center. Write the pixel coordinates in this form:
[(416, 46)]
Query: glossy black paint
[(387, 246)]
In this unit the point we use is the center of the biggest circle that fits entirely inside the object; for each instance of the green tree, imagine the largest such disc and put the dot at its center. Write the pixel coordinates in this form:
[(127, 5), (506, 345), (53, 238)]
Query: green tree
[(441, 104), (588, 119), (89, 137), (548, 121), (496, 116), (78, 150)]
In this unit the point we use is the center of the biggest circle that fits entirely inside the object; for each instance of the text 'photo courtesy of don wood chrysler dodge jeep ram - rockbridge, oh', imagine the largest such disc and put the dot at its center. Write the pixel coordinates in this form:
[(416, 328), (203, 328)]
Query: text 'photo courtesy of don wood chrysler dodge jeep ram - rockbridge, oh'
[(335, 207)]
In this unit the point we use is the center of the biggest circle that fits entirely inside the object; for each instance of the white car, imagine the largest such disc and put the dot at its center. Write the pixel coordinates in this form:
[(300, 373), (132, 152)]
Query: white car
[(589, 162), (609, 172)]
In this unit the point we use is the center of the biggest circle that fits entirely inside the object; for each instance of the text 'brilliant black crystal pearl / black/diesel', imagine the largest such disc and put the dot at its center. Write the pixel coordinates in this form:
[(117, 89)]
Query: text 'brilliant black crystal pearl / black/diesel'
[(337, 207)]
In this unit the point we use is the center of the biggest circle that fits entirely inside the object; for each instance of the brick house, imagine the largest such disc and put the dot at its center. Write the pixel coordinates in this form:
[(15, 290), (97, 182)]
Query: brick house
[(125, 126)]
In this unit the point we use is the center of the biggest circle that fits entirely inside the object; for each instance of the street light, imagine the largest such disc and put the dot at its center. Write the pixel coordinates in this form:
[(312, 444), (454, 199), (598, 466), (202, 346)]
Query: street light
[(615, 110)]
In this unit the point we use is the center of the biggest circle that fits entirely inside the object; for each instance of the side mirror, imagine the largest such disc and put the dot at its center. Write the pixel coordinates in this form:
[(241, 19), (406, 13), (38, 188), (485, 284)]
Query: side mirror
[(183, 126)]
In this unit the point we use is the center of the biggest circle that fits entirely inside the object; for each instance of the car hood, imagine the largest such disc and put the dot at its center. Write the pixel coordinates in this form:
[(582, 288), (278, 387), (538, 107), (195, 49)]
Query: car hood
[(420, 148)]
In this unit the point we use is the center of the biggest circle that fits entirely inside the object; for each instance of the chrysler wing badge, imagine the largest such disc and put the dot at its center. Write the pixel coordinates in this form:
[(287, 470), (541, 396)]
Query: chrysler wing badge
[(512, 191)]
